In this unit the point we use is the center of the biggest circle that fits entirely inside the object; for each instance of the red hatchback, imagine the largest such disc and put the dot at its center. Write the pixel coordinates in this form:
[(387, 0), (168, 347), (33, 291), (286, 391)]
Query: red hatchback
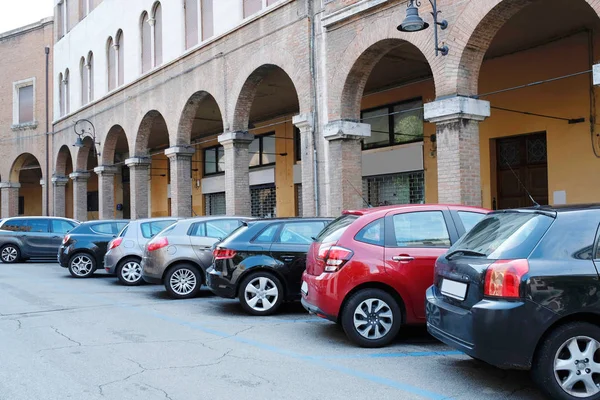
[(369, 269)]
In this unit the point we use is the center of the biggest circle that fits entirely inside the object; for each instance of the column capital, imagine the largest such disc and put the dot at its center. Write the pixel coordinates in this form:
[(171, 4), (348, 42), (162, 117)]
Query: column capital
[(138, 162), (59, 180), (304, 121), (42, 182), (185, 151), (241, 137), (9, 185), (341, 129), (79, 176), (106, 170), (457, 107)]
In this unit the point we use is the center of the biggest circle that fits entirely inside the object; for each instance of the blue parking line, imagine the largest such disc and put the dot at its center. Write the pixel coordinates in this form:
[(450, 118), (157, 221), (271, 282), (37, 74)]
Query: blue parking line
[(316, 360)]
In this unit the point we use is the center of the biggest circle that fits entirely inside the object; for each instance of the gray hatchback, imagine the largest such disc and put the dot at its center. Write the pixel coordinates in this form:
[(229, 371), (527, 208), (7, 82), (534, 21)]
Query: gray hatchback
[(180, 255), (124, 254)]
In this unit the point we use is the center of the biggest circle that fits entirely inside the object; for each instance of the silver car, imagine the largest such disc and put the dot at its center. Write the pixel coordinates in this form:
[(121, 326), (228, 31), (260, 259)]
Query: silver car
[(179, 256), (124, 254)]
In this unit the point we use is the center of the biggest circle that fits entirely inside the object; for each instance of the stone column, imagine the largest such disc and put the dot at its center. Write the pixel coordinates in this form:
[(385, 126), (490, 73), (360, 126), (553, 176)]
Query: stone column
[(139, 168), (10, 199), (106, 190), (80, 180), (345, 164), (180, 158), (458, 159), (60, 193), (237, 176), (305, 123)]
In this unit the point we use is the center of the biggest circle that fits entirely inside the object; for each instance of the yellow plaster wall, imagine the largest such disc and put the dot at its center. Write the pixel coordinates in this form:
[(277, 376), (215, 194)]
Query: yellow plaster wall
[(158, 186), (32, 194)]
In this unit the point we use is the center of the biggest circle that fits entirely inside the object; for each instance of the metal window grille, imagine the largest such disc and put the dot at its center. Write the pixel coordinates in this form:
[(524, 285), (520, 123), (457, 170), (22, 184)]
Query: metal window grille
[(299, 199), (403, 188), (214, 203), (263, 201)]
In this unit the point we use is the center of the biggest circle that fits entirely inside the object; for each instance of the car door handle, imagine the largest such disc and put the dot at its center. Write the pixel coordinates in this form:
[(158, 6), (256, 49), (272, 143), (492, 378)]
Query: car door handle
[(403, 258)]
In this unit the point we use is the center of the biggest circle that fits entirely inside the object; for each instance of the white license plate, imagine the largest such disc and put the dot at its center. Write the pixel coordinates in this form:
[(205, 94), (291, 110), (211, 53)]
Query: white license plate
[(304, 288), (456, 290)]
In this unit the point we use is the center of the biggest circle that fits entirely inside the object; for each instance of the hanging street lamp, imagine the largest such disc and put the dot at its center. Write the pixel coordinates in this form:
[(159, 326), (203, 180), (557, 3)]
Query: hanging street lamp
[(414, 23)]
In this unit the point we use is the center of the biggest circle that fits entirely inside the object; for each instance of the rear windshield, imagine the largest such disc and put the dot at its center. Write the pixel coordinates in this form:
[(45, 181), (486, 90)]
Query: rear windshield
[(335, 230), (235, 234), (505, 236)]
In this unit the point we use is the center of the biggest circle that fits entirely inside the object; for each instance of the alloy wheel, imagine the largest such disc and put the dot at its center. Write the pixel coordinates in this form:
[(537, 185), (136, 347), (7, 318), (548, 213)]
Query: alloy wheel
[(183, 281), (261, 293), (131, 271), (373, 319), (9, 254), (577, 366), (81, 265)]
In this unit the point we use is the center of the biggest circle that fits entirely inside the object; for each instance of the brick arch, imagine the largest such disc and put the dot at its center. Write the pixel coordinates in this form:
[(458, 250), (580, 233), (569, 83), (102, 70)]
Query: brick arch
[(186, 121), (110, 144), (18, 164), (81, 162), (145, 130), (252, 73), (471, 36), (62, 160)]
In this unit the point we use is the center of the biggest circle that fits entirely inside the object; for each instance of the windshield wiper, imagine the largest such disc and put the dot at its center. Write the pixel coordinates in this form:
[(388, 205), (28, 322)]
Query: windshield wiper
[(465, 252)]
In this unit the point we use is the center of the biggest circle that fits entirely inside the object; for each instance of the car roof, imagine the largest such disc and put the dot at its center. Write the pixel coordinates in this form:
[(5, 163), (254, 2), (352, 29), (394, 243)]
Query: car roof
[(142, 220), (558, 209), (385, 209), (100, 221), (287, 219)]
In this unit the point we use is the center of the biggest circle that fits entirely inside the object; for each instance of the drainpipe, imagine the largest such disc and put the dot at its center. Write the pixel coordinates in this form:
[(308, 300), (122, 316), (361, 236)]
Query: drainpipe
[(47, 185), (312, 60)]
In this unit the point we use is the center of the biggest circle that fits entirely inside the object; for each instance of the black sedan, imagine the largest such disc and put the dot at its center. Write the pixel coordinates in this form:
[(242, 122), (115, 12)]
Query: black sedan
[(522, 290), (262, 262), (82, 250)]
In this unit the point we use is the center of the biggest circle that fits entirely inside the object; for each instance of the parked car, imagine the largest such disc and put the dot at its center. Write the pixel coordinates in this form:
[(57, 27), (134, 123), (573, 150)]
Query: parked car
[(522, 290), (124, 255), (262, 262), (369, 269), (179, 255), (82, 250), (24, 238)]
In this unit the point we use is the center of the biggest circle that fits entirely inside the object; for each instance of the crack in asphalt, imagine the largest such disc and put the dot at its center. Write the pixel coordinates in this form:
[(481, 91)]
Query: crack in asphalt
[(66, 337), (160, 390), (232, 335)]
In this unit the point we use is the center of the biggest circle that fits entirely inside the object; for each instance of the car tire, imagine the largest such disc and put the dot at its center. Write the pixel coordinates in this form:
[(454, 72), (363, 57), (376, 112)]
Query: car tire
[(261, 293), (129, 272), (10, 254), (82, 265), (555, 351), (381, 314), (183, 281)]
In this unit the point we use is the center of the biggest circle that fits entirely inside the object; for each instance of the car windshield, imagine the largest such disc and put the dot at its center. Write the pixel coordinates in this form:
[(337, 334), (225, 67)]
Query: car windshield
[(335, 230), (507, 235)]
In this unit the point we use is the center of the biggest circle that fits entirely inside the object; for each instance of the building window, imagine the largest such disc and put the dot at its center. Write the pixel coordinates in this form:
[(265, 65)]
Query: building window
[(65, 17), (92, 201), (146, 34), (90, 71), (84, 81), (207, 19), (394, 124), (262, 150), (263, 201), (214, 160), (60, 31), (252, 7), (111, 64), (23, 102), (402, 188), (120, 53), (191, 23), (158, 29), (214, 204), (297, 145)]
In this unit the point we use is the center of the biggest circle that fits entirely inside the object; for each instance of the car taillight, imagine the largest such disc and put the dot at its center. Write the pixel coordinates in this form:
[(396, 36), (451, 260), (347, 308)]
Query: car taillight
[(503, 278), (115, 243), (66, 239), (158, 243), (223, 254), (332, 258)]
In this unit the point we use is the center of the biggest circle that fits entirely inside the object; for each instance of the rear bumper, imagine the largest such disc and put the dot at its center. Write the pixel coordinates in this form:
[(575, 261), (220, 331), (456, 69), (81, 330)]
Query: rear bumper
[(220, 285), (63, 256), (322, 298), (316, 311), (152, 270), (502, 333), (111, 260)]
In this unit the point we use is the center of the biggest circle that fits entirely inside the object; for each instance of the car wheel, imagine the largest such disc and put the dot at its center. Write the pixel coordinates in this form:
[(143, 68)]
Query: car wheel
[(82, 265), (567, 365), (10, 254), (183, 281), (371, 318), (129, 272), (261, 293)]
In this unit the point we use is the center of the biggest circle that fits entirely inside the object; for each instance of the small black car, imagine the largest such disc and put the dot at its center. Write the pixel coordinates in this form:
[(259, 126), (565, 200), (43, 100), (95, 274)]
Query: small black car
[(82, 250), (521, 290), (262, 262)]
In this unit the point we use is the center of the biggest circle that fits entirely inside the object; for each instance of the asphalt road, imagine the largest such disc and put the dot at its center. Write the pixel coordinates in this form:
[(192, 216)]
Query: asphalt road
[(63, 338)]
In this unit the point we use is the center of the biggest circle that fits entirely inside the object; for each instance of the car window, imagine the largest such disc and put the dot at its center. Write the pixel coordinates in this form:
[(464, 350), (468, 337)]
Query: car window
[(300, 232), (221, 228), (38, 225), (164, 232), (372, 233), (118, 226), (421, 229), (61, 226), (124, 231), (104, 228), (150, 229), (336, 229), (268, 234), (18, 225), (470, 219), (198, 229)]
